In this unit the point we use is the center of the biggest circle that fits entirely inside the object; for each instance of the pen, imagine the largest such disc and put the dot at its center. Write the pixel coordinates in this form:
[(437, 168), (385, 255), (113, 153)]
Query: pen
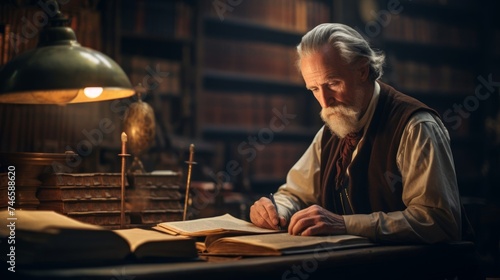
[(271, 197)]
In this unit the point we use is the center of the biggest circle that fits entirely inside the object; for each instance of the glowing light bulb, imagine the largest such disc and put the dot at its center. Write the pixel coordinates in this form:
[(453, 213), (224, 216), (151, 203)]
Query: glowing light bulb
[(92, 92)]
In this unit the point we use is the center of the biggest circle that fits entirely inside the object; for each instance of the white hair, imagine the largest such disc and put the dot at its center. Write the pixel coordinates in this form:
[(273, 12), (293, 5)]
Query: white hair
[(351, 45)]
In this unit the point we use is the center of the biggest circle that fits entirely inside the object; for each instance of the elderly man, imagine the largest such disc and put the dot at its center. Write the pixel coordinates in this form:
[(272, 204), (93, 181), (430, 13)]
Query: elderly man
[(381, 167)]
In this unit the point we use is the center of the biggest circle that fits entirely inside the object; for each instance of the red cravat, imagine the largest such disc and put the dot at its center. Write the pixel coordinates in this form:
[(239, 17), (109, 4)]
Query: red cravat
[(349, 143)]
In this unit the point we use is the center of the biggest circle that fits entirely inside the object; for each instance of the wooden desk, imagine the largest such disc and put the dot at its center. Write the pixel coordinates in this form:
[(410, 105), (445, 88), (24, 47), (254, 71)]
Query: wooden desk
[(450, 261)]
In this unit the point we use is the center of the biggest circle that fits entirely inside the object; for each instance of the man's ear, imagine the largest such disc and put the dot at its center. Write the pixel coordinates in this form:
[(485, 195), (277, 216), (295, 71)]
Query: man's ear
[(363, 69)]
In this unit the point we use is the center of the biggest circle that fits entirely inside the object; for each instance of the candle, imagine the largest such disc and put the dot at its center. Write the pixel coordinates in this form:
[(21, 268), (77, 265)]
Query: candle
[(124, 142), (122, 204)]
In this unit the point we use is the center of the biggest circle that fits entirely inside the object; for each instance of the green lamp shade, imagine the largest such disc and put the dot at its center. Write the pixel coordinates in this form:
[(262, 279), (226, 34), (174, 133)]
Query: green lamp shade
[(61, 71), (59, 74)]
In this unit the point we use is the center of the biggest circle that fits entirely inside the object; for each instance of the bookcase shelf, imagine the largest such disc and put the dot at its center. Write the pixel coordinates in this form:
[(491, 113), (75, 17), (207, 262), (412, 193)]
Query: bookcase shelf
[(153, 45), (238, 29), (451, 12), (433, 95), (235, 133), (432, 54), (222, 80)]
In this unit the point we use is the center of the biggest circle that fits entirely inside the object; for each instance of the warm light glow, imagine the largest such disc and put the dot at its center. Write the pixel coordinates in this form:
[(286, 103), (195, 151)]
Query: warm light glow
[(92, 92)]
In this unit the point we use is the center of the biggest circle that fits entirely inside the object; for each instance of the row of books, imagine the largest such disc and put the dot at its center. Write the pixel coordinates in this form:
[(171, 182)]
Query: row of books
[(256, 58), (424, 77), (51, 128), (250, 110), (276, 159), (425, 31), (290, 15), (158, 75), (20, 28), (172, 19)]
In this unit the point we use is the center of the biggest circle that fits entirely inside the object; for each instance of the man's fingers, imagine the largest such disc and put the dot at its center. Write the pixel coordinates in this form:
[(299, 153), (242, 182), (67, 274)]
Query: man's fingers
[(299, 224), (271, 212), (260, 214), (315, 220)]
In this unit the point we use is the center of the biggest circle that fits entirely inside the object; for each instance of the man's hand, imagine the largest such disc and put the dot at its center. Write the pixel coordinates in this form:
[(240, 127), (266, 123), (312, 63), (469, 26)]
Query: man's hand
[(263, 214), (316, 220)]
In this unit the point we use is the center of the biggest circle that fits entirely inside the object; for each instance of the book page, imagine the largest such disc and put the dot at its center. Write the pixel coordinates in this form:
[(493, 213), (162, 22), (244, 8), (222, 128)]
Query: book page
[(149, 243), (277, 244), (213, 225), (43, 221), (136, 237)]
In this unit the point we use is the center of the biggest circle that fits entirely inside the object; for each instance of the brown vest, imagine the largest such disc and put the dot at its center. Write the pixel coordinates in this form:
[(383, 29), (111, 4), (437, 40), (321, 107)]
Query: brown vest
[(375, 182)]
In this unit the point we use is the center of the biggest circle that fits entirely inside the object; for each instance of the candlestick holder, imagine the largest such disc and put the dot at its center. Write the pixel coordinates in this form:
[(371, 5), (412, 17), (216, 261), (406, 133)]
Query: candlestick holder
[(123, 155)]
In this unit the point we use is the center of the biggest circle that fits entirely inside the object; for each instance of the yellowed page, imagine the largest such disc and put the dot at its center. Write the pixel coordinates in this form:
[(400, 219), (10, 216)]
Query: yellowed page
[(149, 243), (276, 244), (41, 221), (213, 225), (136, 237)]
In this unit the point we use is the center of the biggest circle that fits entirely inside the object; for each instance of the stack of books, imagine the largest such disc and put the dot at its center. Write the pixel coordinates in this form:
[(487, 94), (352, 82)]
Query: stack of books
[(95, 198), (153, 198)]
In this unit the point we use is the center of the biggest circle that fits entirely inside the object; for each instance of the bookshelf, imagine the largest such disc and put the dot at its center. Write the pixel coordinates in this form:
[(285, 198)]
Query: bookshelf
[(433, 53), (156, 50), (253, 104)]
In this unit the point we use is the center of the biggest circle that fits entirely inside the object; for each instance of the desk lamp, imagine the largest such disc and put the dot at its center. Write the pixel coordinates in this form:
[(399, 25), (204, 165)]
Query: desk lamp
[(60, 71)]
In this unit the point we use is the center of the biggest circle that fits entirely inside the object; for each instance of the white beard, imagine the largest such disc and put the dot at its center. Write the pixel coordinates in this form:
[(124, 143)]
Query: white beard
[(341, 120)]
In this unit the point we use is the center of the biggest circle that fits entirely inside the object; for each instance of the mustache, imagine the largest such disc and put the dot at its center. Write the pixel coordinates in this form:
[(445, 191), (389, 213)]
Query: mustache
[(341, 110)]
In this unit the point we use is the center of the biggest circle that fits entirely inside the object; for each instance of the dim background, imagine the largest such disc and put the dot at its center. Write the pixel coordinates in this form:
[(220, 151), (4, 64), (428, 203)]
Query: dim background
[(221, 74)]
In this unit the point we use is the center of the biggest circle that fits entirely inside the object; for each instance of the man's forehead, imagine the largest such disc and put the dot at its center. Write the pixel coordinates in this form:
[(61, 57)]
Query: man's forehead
[(326, 57)]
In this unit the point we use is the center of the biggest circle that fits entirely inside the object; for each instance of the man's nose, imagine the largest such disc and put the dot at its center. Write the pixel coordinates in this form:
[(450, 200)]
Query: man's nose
[(325, 97)]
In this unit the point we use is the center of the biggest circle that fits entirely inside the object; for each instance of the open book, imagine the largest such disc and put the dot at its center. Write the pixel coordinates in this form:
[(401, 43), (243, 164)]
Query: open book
[(230, 236), (45, 237), (280, 244), (224, 224)]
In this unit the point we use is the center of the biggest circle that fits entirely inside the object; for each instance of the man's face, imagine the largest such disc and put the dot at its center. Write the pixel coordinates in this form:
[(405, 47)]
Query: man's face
[(337, 87)]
